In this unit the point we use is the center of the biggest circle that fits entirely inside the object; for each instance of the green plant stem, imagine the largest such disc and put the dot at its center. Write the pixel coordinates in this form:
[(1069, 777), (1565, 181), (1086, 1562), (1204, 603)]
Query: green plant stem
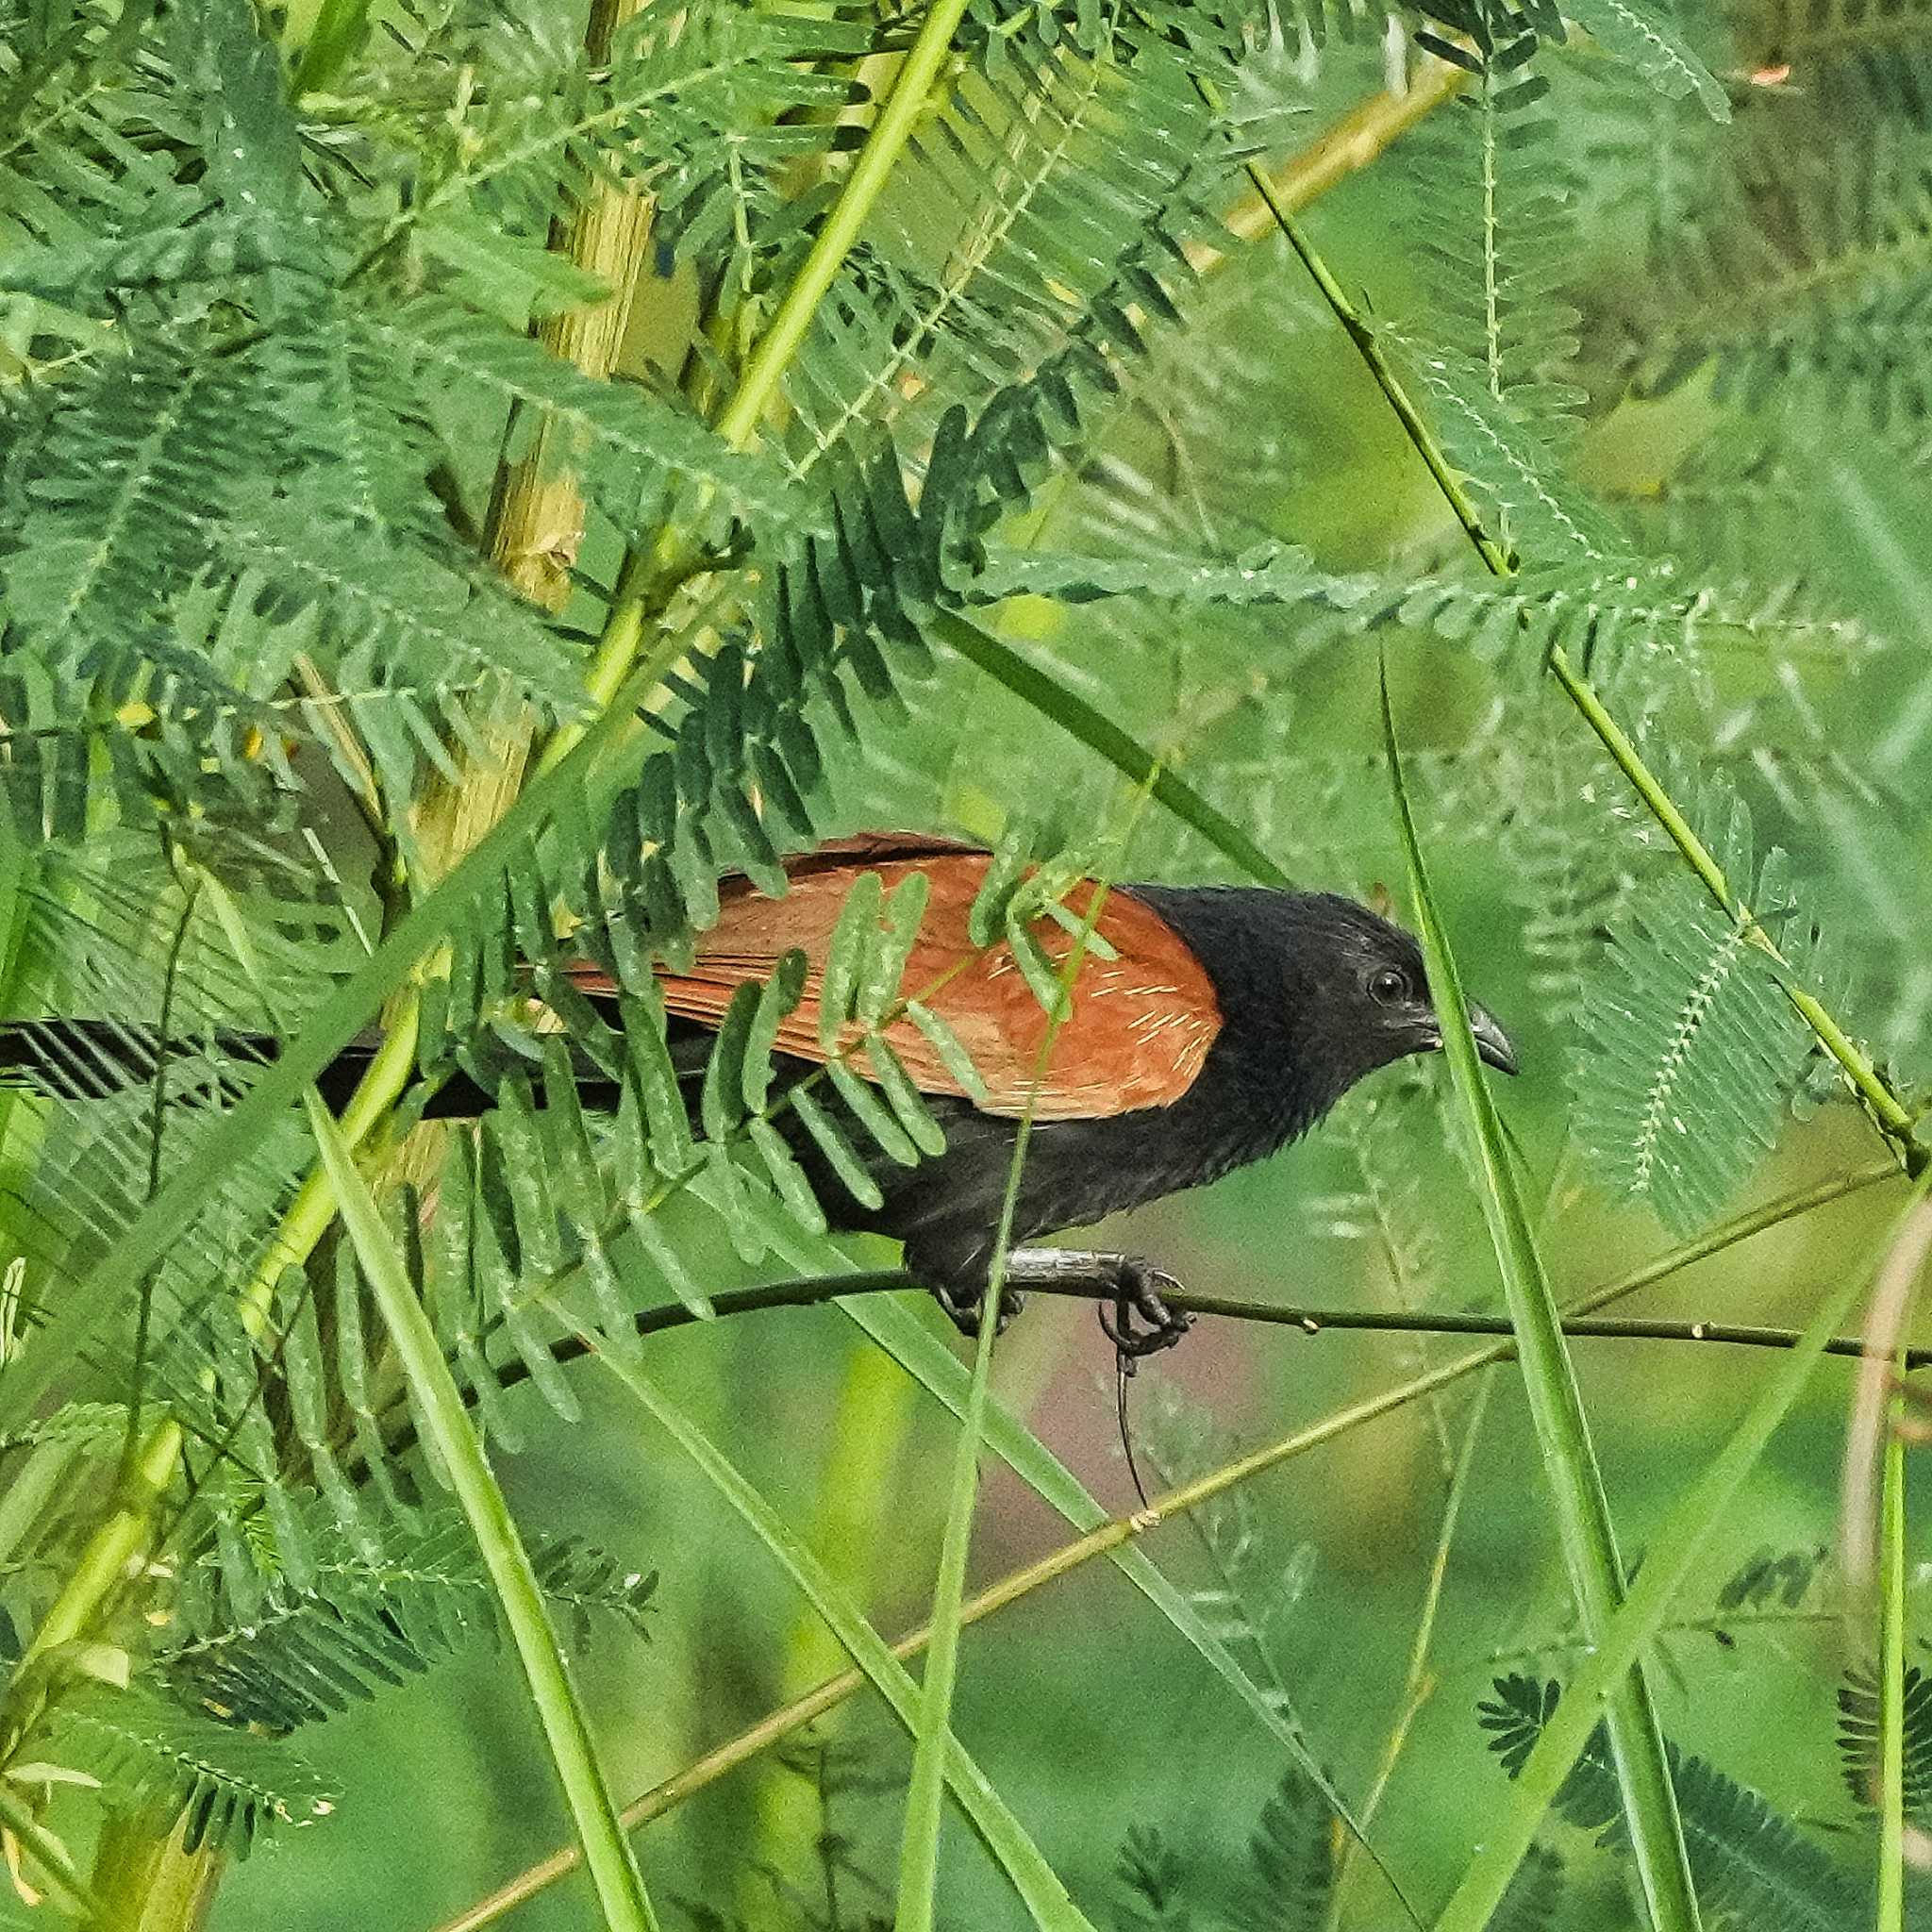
[(1889, 1911), (803, 1711), (1108, 1537), (1671, 1553), (117, 1542), (147, 1882), (607, 1850), (1891, 1315), (1354, 142), (1584, 1528), (1889, 1112), (648, 578), (1101, 736), (919, 1848), (1044, 1896), (1419, 1681)]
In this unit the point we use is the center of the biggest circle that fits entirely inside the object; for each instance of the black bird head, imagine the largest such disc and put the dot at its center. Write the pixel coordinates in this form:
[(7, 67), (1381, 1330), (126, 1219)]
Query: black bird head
[(1361, 992), (1316, 993)]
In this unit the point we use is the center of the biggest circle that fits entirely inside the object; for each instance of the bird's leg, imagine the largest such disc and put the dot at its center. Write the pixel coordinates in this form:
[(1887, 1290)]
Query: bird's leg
[(1131, 1291)]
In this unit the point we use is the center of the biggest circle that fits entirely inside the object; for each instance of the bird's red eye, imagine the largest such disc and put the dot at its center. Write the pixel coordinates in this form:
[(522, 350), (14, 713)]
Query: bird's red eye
[(1387, 987)]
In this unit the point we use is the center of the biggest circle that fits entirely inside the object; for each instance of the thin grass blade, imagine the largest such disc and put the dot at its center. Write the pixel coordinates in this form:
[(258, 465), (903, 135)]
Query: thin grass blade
[(919, 1846), (1101, 736), (1668, 1562), (1005, 1837), (1890, 1915), (931, 1364), (439, 1403), (1583, 1516), (919, 1843)]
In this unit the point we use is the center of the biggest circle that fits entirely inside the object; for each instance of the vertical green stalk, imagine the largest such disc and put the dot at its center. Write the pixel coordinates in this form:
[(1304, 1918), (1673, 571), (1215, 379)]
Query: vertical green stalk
[(1583, 1514), (851, 1520), (1671, 1555), (647, 574), (1890, 1915), (1044, 1896), (919, 1843), (1420, 1681), (919, 1846), (439, 1401)]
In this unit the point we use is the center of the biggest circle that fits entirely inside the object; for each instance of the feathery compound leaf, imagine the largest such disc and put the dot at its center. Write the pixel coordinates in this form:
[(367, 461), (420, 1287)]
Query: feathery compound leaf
[(394, 612), (1535, 1895), (247, 133), (1859, 1737), (1260, 1577), (628, 445), (1551, 524), (1771, 1577), (384, 1603), (1752, 1866), (182, 249), (1634, 611), (233, 1785), (683, 100), (1156, 1875), (114, 519), (1692, 1052), (1268, 574), (1804, 274), (1493, 213), (1291, 1860), (1644, 33), (1061, 183)]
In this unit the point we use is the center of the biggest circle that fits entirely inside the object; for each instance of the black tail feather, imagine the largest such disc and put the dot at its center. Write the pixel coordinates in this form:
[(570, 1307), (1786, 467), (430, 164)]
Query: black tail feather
[(83, 1059)]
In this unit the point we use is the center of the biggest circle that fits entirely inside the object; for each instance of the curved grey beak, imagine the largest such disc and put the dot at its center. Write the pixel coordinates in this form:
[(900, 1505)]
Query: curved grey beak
[(1492, 1042)]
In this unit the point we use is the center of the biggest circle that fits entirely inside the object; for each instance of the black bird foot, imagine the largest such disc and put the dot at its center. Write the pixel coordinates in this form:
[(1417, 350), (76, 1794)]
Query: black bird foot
[(1140, 1297), (963, 1307)]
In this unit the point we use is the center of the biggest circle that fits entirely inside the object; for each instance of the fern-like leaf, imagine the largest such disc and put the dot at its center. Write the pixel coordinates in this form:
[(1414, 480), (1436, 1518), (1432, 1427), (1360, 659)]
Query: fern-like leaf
[(1692, 1052), (229, 1786), (372, 1609), (1291, 1867), (628, 445), (1495, 219), (1750, 1866), (1859, 1737), (113, 521)]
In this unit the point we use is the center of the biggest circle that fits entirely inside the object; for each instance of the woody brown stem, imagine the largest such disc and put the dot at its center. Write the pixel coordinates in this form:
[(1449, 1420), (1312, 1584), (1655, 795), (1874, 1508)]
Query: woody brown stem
[(536, 520)]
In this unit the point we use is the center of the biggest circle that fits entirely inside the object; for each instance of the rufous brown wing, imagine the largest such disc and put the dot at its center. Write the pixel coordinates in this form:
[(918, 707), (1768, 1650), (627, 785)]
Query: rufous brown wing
[(1141, 1023)]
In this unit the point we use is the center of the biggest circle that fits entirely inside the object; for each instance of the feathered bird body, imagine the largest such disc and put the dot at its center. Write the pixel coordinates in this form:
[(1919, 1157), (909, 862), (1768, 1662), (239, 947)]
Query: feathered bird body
[(1207, 1026), (1281, 968)]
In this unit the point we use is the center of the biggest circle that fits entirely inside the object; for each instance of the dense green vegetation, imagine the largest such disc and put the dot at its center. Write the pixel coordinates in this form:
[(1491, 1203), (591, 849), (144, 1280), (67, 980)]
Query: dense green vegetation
[(473, 478)]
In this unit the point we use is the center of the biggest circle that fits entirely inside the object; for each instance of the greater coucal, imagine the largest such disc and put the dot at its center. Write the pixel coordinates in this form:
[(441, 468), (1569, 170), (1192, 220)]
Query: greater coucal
[(1215, 1024)]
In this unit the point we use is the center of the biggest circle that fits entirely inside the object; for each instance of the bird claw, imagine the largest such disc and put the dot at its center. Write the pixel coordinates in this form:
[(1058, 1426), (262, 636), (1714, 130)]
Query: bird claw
[(962, 1309), (1138, 1296)]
